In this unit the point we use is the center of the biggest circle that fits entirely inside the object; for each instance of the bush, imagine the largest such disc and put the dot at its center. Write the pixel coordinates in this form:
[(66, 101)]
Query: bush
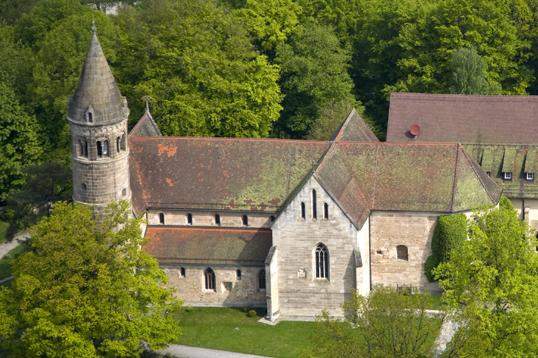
[(450, 232), (252, 313)]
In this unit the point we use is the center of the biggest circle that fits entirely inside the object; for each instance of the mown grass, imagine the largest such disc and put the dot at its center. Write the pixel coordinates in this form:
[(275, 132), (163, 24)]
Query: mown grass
[(232, 330)]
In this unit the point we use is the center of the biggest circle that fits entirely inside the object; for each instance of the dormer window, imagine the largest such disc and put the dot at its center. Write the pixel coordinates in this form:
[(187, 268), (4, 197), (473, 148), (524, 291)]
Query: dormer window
[(529, 176), (507, 175)]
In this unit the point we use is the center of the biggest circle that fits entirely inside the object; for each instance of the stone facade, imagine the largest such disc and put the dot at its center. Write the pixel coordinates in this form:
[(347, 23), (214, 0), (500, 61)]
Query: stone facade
[(230, 290), (412, 230), (300, 293)]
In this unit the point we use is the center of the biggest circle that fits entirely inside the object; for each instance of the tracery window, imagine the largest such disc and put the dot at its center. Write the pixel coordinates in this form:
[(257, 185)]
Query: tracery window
[(322, 261), (209, 277)]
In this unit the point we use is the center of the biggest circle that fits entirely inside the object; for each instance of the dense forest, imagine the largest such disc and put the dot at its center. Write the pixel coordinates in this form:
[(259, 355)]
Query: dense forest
[(245, 68)]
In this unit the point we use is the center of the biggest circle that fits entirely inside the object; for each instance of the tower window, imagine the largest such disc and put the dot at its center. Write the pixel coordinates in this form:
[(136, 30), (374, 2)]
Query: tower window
[(217, 219), (123, 142), (238, 274), (261, 279), (161, 218), (102, 148), (402, 253), (326, 211), (89, 117), (209, 276), (189, 219), (83, 148), (244, 218), (322, 261), (314, 204), (84, 186), (303, 210), (118, 145)]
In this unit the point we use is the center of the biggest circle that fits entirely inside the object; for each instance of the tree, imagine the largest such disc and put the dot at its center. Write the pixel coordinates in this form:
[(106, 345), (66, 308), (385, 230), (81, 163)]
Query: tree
[(384, 324), (491, 283), (19, 144), (314, 75), (201, 70), (469, 73), (85, 288)]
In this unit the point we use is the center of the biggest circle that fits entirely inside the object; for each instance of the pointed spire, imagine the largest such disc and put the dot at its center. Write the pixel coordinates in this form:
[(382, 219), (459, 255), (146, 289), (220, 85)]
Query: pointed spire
[(97, 89)]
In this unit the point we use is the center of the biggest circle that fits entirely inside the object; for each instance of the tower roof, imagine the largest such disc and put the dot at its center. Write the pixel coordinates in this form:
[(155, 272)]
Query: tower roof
[(97, 91)]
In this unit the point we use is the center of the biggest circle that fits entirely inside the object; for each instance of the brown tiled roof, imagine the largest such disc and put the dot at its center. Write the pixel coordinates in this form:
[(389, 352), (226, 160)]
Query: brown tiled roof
[(464, 118), (175, 244), (146, 127), (355, 128), (406, 177), (218, 173)]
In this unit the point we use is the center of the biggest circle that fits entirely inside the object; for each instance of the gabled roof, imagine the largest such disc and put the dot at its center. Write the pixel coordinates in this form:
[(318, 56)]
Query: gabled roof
[(218, 173), (97, 90), (463, 118), (517, 159), (355, 128), (176, 244), (146, 127), (431, 177)]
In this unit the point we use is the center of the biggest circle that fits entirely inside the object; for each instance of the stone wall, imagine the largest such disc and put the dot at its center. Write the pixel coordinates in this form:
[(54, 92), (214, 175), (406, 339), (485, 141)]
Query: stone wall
[(527, 210), (205, 218), (390, 229), (301, 294), (230, 291)]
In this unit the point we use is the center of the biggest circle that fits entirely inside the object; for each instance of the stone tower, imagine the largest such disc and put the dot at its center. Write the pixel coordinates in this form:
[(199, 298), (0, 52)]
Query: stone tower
[(97, 115)]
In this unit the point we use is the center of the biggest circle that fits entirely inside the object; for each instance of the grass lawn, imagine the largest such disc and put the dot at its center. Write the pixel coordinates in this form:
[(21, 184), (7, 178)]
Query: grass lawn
[(230, 329), (3, 231), (5, 268)]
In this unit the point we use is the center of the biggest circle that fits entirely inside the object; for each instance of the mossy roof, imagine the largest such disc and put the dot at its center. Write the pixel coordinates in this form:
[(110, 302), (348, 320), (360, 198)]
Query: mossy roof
[(517, 159), (354, 128), (363, 177), (191, 245), (146, 127)]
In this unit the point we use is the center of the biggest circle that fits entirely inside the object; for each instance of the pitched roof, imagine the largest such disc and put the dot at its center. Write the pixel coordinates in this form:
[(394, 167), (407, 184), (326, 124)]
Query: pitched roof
[(176, 244), (146, 127), (406, 177), (97, 90), (517, 159), (463, 118), (355, 128), (218, 173)]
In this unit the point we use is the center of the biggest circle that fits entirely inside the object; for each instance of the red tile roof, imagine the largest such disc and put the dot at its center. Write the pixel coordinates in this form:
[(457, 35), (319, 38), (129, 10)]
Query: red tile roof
[(192, 245), (355, 128), (464, 118)]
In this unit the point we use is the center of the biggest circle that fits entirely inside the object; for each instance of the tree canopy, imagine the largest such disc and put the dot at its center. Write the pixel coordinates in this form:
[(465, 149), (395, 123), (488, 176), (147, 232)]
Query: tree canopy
[(85, 288)]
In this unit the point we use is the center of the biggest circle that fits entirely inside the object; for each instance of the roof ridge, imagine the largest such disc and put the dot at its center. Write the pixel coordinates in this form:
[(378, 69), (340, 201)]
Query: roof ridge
[(340, 131), (469, 160), (469, 97), (242, 139)]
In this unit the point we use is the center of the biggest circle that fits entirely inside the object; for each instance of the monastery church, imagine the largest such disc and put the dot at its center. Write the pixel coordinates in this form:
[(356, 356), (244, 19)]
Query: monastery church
[(297, 226)]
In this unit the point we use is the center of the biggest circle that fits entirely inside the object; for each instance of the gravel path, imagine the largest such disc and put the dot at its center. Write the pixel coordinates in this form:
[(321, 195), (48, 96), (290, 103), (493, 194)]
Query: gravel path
[(448, 329), (6, 247), (176, 350)]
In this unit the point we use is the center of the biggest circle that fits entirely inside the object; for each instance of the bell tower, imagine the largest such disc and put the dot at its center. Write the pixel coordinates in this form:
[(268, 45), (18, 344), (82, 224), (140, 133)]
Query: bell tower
[(97, 115)]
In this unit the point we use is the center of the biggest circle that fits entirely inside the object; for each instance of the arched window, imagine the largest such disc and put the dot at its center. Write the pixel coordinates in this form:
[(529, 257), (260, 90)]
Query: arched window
[(182, 271), (209, 276), (189, 219), (303, 211), (402, 253), (314, 204), (322, 261), (217, 219), (161, 218), (261, 279), (118, 149), (238, 274), (326, 211), (89, 116), (102, 148), (245, 220), (83, 145)]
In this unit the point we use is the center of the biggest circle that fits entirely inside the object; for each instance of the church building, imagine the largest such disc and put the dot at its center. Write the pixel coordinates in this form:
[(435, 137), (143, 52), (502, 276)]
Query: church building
[(295, 226)]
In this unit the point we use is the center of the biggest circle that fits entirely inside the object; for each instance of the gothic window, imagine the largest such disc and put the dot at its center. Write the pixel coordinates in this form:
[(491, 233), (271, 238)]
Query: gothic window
[(209, 276), (245, 220), (182, 271), (238, 274), (314, 204), (102, 148), (402, 252), (322, 261), (261, 279), (189, 219), (303, 210), (217, 219), (89, 116), (161, 218), (326, 211)]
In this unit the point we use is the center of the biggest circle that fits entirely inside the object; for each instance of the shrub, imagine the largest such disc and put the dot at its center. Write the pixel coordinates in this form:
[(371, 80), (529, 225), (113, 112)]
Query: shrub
[(252, 313), (450, 231)]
